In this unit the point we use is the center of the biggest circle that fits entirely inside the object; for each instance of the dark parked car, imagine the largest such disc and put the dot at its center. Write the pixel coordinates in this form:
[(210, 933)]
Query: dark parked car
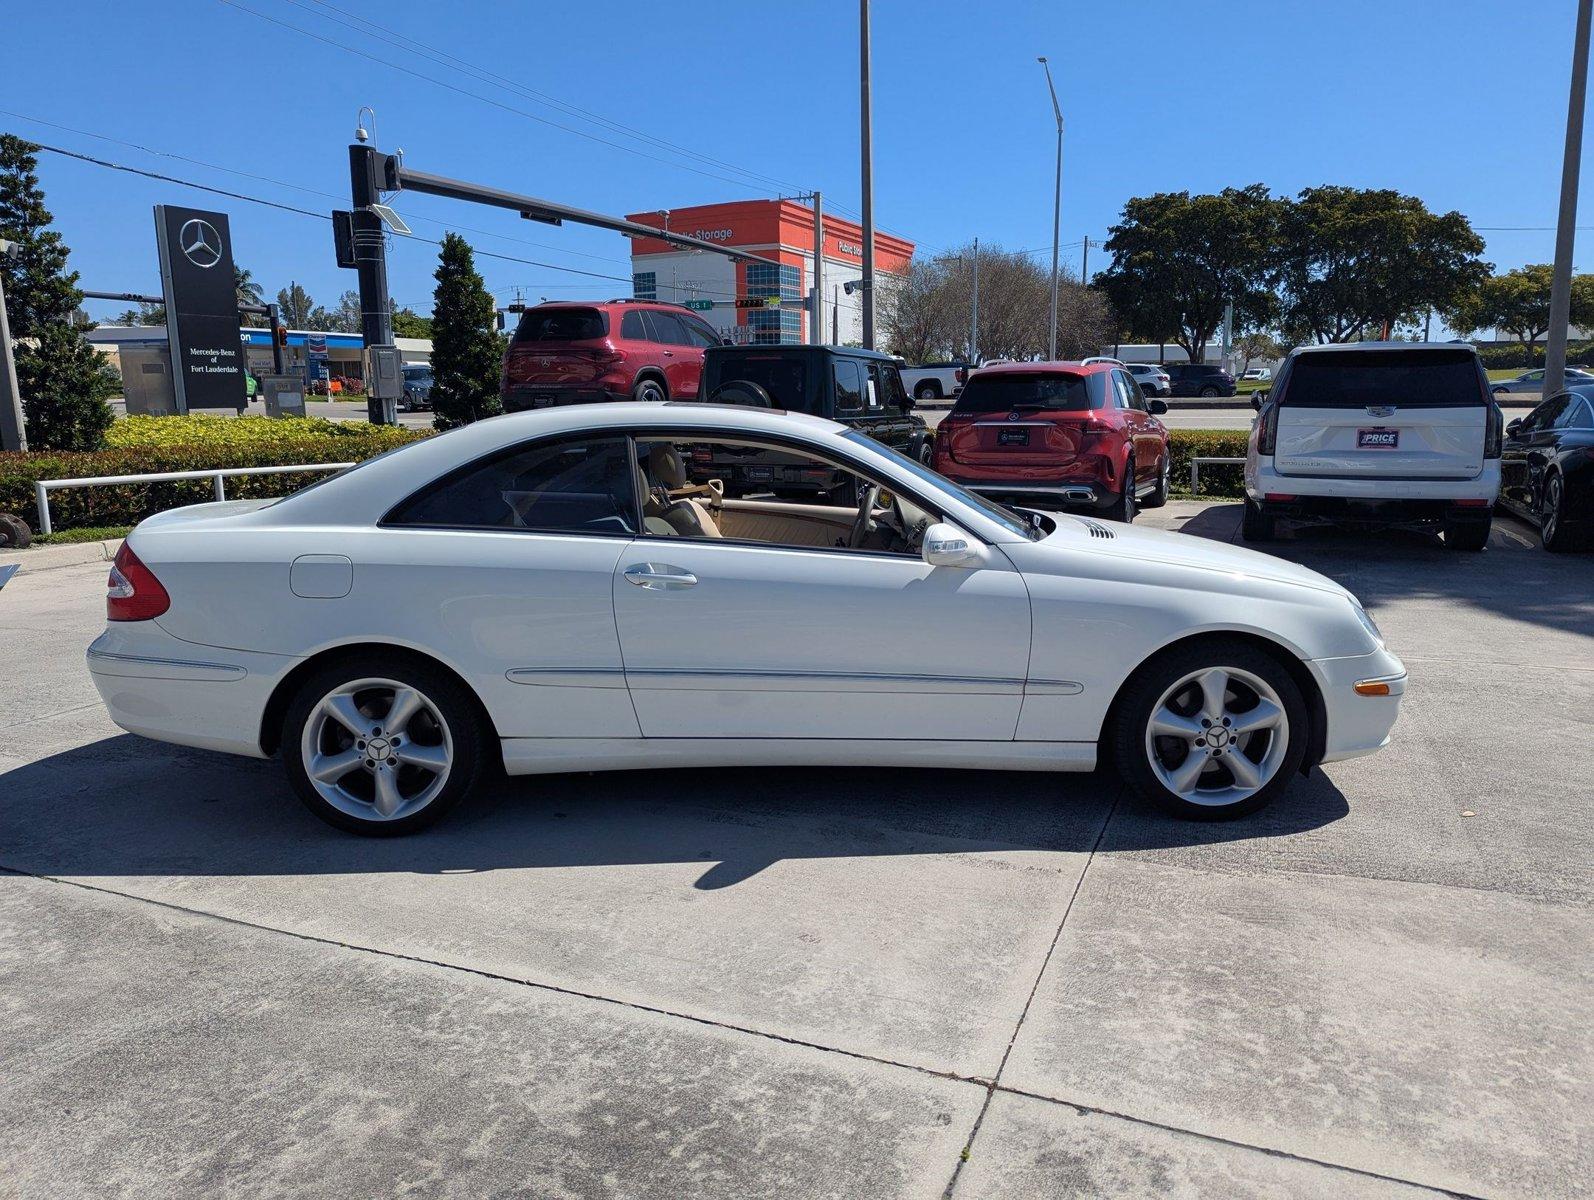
[(1199, 379), (1547, 468), (417, 387), (860, 388), (570, 353)]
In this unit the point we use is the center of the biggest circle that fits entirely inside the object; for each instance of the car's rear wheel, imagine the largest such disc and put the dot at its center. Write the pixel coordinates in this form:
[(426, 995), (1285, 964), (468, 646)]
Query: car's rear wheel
[(1210, 731), (928, 390), (649, 391), (1556, 535), (1466, 533), (1123, 508), (1258, 525), (1164, 483), (1209, 391), (382, 746)]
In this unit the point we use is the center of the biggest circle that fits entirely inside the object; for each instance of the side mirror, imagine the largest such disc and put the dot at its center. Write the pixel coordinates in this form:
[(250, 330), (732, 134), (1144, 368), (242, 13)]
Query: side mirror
[(725, 341), (1514, 427), (945, 545), (1157, 407)]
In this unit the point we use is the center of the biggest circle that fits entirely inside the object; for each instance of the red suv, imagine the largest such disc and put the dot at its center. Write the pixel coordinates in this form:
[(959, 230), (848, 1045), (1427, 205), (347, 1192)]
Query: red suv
[(1055, 434), (575, 353)]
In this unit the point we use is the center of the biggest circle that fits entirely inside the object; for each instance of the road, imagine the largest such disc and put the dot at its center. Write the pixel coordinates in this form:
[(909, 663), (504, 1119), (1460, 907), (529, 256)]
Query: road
[(823, 982)]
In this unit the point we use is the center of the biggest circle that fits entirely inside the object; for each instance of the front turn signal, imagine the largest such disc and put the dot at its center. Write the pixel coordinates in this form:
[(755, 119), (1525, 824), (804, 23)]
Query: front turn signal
[(1371, 687)]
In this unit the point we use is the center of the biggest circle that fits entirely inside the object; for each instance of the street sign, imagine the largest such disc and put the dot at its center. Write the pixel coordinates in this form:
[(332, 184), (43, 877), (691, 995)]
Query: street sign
[(201, 307), (700, 305), (315, 343)]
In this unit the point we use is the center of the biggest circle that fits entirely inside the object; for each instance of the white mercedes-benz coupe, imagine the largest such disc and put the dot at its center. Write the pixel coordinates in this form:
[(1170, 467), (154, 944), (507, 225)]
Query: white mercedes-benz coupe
[(575, 589)]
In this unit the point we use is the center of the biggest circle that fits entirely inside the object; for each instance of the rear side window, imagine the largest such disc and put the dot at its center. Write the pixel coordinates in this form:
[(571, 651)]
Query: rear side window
[(849, 387), (631, 327), (1405, 378), (561, 325), (667, 328), (561, 487), (1051, 390)]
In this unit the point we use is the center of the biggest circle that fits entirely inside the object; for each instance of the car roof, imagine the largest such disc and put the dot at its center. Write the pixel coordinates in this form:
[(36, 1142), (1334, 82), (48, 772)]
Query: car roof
[(1029, 368), (1354, 346), (803, 348)]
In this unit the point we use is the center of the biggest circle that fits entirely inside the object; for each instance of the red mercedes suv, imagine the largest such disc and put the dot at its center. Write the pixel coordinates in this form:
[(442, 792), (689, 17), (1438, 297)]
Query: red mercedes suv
[(575, 353), (1057, 434)]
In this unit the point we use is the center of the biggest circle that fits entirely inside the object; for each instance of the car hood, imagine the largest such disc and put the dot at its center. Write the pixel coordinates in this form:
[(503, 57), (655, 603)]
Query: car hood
[(1184, 550)]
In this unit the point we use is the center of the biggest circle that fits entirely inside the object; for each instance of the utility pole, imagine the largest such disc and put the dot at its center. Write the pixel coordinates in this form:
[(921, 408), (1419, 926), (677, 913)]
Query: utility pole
[(370, 263), (1084, 264), (867, 140), (974, 316), (1057, 209), (1228, 334), (1561, 285), (816, 314), (13, 429)]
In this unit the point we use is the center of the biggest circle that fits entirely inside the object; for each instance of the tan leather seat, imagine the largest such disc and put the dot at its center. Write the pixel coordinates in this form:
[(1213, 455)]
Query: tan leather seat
[(686, 516)]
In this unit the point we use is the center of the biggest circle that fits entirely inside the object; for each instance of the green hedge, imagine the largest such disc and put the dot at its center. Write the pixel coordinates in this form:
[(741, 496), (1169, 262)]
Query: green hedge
[(142, 445), (1514, 357), (1185, 444)]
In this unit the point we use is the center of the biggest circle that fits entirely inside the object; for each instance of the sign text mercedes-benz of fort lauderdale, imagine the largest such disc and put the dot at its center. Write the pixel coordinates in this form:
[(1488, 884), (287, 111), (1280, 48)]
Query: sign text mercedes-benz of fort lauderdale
[(201, 307)]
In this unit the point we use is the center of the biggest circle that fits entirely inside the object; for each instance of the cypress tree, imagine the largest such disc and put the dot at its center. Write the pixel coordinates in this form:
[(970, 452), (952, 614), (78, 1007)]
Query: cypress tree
[(63, 381), (467, 353)]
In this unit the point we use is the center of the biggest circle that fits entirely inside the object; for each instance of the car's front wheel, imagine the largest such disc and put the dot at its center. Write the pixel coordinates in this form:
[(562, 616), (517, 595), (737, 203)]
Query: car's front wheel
[(1211, 730), (382, 745)]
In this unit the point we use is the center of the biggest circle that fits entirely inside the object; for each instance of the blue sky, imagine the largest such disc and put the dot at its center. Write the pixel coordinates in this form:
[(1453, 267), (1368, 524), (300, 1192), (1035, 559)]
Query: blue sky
[(1462, 103)]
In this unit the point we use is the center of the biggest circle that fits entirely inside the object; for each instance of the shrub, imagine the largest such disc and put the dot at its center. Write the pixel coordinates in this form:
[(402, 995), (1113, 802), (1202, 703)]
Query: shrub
[(1184, 444), (1514, 356), (142, 445)]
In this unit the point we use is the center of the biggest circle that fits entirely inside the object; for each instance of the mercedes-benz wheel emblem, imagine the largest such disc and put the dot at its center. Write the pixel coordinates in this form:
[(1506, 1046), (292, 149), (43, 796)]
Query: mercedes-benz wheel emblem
[(200, 243)]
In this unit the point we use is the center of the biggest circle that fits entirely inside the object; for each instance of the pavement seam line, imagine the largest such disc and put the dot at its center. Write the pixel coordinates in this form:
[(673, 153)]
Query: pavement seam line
[(498, 977), (996, 1080)]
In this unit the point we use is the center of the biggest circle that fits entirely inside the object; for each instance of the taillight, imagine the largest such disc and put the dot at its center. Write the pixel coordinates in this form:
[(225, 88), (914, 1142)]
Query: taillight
[(609, 358), (962, 375), (1267, 435), (1494, 431), (132, 593)]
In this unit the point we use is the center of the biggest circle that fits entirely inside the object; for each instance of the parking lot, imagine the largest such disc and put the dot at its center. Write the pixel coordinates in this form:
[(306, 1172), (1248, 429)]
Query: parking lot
[(851, 983)]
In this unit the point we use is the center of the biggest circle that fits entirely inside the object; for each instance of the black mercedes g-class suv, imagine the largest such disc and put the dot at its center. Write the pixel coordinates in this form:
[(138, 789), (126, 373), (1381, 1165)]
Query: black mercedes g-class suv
[(860, 388)]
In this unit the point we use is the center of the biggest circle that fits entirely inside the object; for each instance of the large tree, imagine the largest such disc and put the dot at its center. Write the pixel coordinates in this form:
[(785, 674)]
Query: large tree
[(1179, 260), (1518, 302), (295, 307), (1357, 261), (63, 380), (408, 323), (467, 352), (928, 315)]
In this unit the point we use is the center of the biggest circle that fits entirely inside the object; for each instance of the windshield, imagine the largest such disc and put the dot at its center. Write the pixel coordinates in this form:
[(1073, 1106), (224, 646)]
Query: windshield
[(1048, 390), (1004, 517), (1405, 378), (784, 377), (561, 325)]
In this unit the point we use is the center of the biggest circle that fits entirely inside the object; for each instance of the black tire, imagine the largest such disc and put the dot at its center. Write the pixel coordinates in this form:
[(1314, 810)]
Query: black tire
[(14, 532), (1258, 525), (452, 718), (1123, 508), (1467, 534), (649, 391), (1143, 694), (1555, 534), (1209, 391), (926, 453), (929, 389), (1164, 484)]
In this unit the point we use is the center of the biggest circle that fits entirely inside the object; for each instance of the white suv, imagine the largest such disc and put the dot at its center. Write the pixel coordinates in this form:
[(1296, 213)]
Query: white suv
[(1377, 433)]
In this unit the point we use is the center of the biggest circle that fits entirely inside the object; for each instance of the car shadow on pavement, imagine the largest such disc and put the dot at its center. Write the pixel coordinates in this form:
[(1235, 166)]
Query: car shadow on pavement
[(129, 807), (1513, 577)]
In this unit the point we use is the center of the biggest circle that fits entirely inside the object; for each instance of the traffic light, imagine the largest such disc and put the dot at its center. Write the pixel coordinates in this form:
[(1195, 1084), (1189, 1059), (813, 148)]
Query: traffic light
[(280, 335)]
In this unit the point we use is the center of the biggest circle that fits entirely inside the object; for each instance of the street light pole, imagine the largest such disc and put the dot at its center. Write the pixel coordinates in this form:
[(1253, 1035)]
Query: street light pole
[(867, 140), (13, 428), (974, 314), (1561, 283), (1057, 208)]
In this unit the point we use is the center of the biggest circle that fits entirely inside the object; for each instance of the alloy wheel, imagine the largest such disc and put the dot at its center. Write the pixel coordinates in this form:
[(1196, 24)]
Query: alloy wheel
[(1217, 736), (377, 750), (1552, 509)]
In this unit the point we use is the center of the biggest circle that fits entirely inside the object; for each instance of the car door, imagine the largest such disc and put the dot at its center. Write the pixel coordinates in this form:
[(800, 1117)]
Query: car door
[(506, 565), (757, 636), (892, 423), (700, 337), (1140, 427), (1539, 449), (683, 364)]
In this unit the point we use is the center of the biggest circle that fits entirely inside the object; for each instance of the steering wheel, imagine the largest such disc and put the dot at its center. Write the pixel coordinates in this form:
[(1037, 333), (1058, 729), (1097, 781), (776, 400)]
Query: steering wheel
[(744, 392), (863, 525)]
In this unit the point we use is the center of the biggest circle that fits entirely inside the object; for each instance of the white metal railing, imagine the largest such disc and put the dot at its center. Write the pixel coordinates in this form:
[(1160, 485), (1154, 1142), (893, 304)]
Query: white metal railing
[(1210, 461), (43, 487)]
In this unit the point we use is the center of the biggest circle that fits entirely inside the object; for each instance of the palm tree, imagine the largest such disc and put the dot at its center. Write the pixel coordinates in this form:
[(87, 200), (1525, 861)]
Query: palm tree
[(247, 290)]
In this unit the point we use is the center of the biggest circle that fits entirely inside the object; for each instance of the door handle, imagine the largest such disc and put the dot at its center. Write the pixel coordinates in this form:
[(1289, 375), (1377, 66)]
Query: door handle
[(669, 354), (660, 576)]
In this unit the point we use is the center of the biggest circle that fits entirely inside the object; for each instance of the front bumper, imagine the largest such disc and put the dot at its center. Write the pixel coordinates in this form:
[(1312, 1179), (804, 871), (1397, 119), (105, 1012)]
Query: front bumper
[(1358, 724), (161, 687)]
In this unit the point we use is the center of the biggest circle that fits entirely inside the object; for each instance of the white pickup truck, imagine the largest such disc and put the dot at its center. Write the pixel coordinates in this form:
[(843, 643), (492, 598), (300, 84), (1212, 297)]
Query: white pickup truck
[(935, 381)]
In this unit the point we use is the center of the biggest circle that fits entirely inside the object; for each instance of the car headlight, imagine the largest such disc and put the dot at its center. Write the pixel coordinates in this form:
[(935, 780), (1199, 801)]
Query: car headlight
[(1368, 623)]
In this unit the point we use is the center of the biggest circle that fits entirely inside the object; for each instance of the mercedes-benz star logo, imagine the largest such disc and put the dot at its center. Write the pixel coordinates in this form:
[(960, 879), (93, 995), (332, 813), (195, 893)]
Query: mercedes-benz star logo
[(201, 244), (1012, 416)]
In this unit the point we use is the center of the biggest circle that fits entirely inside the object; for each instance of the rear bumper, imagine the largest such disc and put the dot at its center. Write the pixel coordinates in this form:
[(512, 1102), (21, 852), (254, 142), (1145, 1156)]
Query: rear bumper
[(161, 687), (525, 396), (1367, 498), (1082, 494)]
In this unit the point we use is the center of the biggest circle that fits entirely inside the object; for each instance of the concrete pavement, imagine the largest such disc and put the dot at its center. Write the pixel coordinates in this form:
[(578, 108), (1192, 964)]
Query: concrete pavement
[(734, 983)]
